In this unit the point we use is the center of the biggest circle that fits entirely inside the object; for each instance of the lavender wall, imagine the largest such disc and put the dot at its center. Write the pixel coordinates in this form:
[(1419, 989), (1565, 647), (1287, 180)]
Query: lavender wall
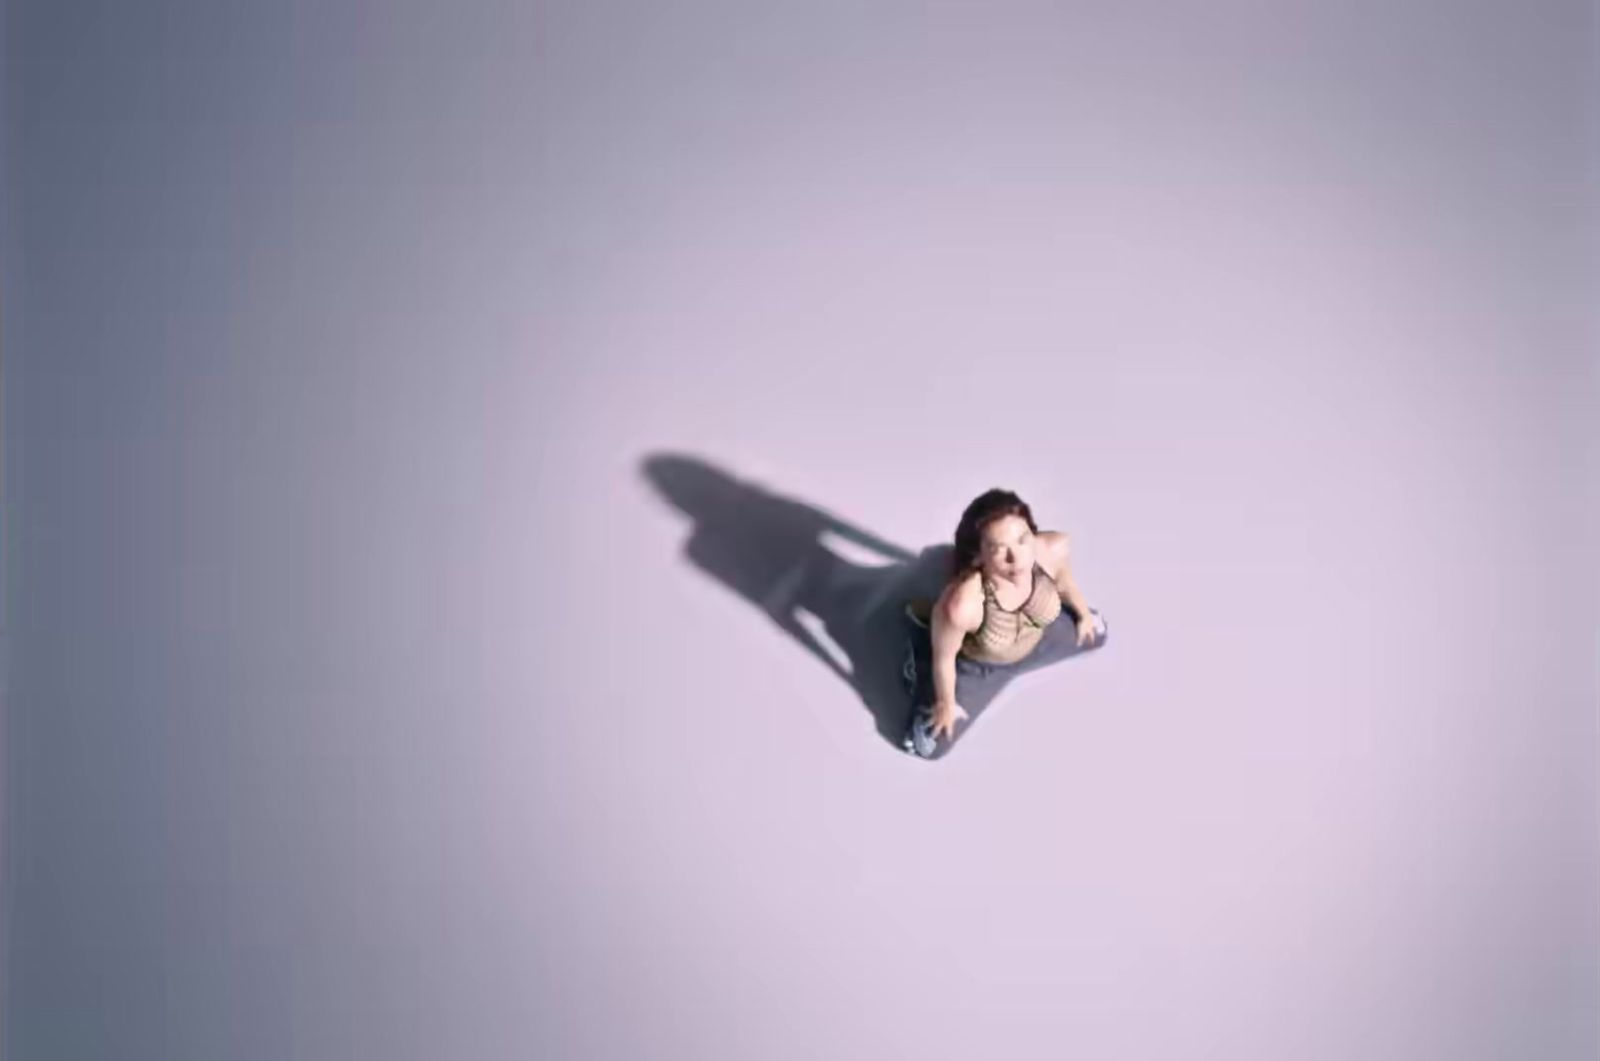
[(458, 463)]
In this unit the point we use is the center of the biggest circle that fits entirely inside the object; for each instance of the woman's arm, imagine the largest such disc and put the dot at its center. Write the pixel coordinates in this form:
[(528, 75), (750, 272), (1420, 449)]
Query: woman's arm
[(1059, 548), (953, 618)]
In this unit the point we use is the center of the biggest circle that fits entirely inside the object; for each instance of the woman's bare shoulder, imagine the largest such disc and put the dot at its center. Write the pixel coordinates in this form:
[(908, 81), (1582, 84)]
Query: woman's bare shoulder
[(1054, 548), (961, 602)]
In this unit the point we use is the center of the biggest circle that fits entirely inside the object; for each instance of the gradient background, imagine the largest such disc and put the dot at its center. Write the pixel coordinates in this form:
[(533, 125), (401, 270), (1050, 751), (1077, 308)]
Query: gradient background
[(372, 693)]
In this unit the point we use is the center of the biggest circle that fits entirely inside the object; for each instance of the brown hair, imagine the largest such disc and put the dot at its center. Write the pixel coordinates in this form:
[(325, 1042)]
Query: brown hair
[(984, 510)]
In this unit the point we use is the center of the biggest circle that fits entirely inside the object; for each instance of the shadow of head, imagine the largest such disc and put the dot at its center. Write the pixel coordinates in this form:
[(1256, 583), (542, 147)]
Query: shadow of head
[(784, 557)]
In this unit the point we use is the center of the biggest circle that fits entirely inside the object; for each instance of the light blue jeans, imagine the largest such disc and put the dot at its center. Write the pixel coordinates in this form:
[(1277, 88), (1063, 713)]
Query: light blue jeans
[(977, 683)]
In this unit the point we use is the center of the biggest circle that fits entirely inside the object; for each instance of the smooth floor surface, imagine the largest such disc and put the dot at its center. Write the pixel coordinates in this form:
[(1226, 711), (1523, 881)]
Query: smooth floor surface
[(458, 465)]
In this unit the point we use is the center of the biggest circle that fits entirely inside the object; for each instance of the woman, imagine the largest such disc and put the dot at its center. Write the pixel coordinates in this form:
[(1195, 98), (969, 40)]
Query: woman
[(1003, 612)]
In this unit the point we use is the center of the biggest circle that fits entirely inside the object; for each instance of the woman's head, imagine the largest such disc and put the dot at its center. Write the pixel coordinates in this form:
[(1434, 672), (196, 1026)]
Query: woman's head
[(995, 536)]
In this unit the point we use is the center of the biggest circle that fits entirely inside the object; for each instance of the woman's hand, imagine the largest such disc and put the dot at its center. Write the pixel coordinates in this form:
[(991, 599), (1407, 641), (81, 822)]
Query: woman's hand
[(945, 713), (1088, 627)]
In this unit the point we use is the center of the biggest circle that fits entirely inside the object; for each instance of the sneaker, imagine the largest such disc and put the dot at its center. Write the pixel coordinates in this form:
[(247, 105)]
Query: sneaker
[(918, 740)]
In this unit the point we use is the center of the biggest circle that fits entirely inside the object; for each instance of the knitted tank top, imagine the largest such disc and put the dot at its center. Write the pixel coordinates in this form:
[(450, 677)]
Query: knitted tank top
[(1007, 636)]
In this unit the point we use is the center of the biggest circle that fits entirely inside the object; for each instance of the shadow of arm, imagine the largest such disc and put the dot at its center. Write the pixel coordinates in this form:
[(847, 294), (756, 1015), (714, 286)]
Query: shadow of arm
[(855, 535), (794, 628)]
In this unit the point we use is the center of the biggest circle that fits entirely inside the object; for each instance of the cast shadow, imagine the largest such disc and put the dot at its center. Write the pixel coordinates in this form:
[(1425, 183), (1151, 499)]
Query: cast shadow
[(770, 550)]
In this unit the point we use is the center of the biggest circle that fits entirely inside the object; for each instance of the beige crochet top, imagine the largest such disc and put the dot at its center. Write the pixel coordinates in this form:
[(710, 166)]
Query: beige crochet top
[(1007, 636)]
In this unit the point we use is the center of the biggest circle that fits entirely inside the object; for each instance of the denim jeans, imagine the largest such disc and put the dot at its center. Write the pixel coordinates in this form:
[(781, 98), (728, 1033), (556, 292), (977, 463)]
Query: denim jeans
[(977, 683)]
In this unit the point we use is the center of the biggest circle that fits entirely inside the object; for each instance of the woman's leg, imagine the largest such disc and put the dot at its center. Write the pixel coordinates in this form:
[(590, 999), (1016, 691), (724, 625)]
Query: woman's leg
[(1060, 641)]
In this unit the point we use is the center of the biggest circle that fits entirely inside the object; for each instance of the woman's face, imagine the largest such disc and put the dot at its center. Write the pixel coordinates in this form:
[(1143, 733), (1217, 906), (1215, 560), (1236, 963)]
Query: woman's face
[(1007, 548)]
